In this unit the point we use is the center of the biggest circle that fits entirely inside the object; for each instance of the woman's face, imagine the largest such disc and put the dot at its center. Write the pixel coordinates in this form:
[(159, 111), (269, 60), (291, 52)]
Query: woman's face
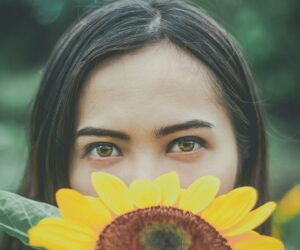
[(150, 112)]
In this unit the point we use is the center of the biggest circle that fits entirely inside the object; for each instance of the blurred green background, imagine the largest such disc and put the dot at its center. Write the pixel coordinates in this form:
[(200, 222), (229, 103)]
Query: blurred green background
[(268, 34)]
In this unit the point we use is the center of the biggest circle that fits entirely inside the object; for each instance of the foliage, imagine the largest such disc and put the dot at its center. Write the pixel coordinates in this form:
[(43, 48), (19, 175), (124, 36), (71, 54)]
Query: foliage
[(18, 214)]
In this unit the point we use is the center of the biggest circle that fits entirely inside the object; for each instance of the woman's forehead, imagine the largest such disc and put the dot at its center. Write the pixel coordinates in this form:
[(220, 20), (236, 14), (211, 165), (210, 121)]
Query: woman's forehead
[(155, 81)]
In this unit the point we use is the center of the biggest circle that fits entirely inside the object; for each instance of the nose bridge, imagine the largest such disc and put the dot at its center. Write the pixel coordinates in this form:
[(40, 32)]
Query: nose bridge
[(144, 164)]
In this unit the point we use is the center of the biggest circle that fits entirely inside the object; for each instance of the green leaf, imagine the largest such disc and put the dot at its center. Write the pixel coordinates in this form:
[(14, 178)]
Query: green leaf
[(19, 214)]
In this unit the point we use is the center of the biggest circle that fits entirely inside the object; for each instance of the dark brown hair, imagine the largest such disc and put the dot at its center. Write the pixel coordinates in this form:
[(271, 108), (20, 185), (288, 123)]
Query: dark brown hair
[(112, 30)]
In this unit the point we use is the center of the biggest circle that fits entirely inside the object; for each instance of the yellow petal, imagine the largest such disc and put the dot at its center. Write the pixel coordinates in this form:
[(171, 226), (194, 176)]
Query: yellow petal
[(59, 238), (144, 193), (231, 209), (67, 224), (251, 235), (180, 195), (276, 231), (199, 194), (252, 220), (113, 192), (289, 205), (253, 240), (100, 210), (75, 207), (97, 203), (213, 207), (170, 188)]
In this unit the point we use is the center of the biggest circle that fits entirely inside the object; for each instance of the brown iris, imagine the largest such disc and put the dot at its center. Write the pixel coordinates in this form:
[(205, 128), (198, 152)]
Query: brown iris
[(186, 146), (160, 228), (104, 150)]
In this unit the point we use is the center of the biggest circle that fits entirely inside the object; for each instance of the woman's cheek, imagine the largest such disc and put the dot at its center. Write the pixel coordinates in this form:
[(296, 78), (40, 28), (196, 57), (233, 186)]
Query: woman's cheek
[(80, 180)]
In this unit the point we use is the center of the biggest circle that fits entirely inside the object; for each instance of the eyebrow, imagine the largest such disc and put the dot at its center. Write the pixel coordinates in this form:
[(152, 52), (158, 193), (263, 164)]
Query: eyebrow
[(163, 131)]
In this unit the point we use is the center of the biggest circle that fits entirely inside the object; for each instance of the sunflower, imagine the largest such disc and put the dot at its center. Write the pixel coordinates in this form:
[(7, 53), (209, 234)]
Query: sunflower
[(155, 215), (289, 206), (287, 210)]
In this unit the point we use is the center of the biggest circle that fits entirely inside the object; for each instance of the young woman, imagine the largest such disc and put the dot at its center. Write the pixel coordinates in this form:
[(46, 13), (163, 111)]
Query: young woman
[(140, 88)]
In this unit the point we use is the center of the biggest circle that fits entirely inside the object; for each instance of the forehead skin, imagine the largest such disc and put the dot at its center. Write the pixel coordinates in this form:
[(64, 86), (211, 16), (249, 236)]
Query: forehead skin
[(141, 91), (157, 81)]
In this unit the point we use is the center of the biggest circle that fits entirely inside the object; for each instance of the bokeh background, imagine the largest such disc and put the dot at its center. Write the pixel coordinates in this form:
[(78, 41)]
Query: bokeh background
[(267, 31)]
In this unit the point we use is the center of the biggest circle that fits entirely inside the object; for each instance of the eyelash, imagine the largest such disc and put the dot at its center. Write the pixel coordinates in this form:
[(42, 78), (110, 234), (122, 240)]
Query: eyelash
[(202, 143)]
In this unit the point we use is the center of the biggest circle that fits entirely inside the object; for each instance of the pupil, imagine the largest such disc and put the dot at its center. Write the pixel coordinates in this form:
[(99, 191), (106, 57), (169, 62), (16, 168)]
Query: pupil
[(186, 146), (104, 150)]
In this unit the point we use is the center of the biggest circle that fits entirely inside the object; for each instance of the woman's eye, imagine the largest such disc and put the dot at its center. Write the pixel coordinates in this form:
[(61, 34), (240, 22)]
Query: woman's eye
[(106, 150), (186, 144), (102, 150)]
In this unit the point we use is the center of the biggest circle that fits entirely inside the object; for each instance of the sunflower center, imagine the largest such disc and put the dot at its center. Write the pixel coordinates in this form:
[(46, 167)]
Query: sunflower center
[(160, 228), (164, 237)]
